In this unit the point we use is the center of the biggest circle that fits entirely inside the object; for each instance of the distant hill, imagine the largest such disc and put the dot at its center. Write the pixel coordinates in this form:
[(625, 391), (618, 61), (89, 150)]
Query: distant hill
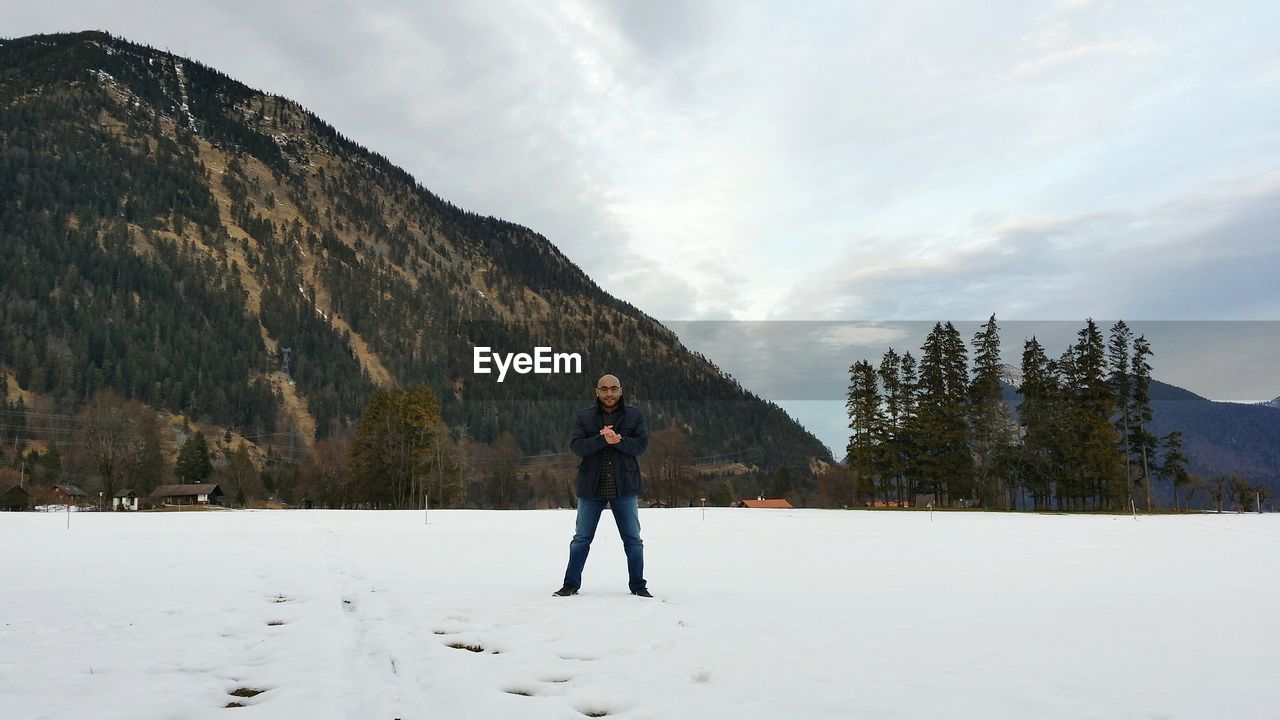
[(1218, 437), (220, 252), (1166, 393), (1222, 437)]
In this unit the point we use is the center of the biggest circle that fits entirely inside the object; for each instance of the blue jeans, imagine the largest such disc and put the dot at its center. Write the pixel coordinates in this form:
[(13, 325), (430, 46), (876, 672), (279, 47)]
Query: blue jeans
[(627, 516)]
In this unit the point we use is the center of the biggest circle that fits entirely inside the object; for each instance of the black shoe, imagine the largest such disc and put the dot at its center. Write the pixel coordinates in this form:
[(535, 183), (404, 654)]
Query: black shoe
[(642, 592), (566, 591)]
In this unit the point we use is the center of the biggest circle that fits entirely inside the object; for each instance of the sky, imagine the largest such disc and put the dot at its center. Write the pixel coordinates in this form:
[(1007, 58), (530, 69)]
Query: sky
[(819, 162), (756, 615)]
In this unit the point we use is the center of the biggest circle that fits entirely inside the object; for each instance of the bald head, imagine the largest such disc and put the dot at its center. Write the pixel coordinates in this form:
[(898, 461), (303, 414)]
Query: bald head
[(609, 391)]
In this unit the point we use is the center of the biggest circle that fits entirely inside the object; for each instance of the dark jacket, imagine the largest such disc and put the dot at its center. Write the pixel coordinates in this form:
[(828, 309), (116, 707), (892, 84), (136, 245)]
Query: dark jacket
[(588, 444)]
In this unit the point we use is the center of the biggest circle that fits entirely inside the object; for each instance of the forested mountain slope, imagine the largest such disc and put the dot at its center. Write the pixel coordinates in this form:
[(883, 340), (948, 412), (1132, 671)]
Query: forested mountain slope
[(224, 254)]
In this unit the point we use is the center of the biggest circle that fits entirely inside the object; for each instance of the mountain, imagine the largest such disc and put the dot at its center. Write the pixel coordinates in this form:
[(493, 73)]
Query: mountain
[(221, 253), (1221, 437), (1217, 437), (1271, 403)]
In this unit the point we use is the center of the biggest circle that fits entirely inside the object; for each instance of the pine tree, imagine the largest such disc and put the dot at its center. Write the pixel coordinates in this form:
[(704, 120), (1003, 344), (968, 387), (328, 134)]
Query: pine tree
[(392, 454), (896, 413), (1093, 402), (1174, 466), (1038, 417), (1122, 383), (866, 424), (193, 466), (51, 463), (907, 443), (959, 465), (989, 421), (947, 466), (1141, 442), (13, 424), (151, 468), (1067, 449)]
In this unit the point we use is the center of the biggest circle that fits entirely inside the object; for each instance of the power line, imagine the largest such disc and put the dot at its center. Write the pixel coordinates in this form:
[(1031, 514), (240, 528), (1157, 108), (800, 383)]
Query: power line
[(31, 413)]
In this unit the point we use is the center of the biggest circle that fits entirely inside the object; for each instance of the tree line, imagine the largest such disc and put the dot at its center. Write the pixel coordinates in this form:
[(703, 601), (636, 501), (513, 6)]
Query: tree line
[(401, 454), (941, 430)]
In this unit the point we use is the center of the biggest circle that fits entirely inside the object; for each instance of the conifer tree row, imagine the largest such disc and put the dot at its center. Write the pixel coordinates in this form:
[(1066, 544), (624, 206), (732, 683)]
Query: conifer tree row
[(944, 433)]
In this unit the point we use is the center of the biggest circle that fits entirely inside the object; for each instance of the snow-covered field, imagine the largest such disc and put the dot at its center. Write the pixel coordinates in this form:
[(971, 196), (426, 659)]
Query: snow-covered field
[(758, 614)]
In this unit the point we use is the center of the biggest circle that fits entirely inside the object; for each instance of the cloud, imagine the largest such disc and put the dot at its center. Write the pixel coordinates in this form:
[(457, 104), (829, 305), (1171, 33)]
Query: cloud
[(919, 160), (661, 294), (1163, 262), (663, 32), (733, 152), (844, 335), (1111, 51), (1078, 31)]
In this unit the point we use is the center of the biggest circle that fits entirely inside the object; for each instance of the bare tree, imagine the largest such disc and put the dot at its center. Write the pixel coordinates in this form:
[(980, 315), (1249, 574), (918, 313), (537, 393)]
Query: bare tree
[(1217, 488), (835, 487), (504, 485), (326, 478), (668, 460), (1242, 493), (241, 475), (114, 441)]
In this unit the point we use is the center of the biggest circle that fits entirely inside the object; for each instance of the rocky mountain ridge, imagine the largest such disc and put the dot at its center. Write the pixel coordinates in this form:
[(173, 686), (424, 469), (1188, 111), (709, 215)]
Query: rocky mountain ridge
[(222, 253)]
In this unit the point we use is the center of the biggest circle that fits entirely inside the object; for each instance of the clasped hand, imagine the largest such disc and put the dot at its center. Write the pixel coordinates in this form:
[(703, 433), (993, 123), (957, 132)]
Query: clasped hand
[(609, 435)]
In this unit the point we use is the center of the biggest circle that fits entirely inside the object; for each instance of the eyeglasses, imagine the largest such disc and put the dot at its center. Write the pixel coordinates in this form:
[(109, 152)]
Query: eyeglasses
[(610, 388)]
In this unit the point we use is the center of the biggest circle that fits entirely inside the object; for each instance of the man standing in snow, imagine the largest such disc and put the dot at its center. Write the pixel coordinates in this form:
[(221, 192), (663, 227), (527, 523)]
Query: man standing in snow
[(608, 436)]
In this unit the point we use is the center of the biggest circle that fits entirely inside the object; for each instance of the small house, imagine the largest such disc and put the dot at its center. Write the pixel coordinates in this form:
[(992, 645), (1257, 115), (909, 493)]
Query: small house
[(780, 503), (70, 494), (125, 500), (195, 494), (15, 499)]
